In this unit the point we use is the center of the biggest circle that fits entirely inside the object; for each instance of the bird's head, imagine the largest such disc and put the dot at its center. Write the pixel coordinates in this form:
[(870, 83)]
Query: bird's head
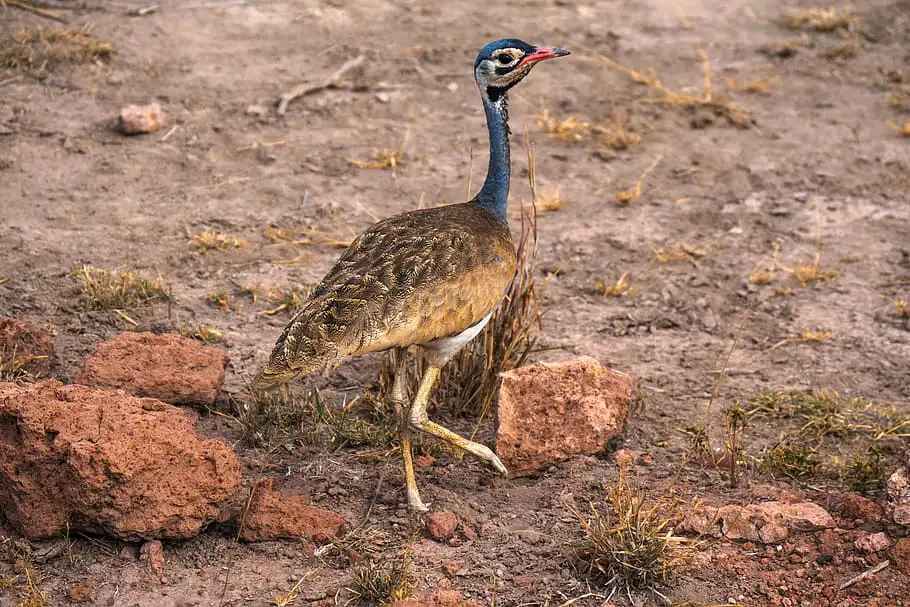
[(502, 64)]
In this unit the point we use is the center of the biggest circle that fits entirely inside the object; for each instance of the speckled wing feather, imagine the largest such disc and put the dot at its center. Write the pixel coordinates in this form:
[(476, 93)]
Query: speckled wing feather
[(409, 279)]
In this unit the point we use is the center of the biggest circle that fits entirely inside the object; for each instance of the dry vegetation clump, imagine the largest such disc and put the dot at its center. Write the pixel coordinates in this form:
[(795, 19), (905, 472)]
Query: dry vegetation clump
[(634, 193), (14, 368), (286, 300), (384, 581), (207, 334), (548, 201), (219, 299), (615, 134), (40, 50), (866, 472), (818, 19), (620, 287), (382, 159), (284, 418), (901, 308), (707, 100), (903, 129), (567, 129), (210, 240), (627, 546), (102, 289), (794, 461), (811, 272), (680, 251), (755, 86), (761, 277)]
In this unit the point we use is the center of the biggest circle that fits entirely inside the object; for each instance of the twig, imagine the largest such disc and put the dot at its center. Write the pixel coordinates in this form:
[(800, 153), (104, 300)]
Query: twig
[(123, 315), (22, 4), (142, 12), (332, 81), (864, 575), (169, 133)]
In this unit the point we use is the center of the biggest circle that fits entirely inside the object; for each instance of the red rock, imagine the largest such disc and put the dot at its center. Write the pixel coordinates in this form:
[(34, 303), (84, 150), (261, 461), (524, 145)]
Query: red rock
[(768, 522), (138, 119), (273, 515), (854, 506), (437, 598), (168, 367), (26, 346), (152, 553), (80, 593), (441, 525), (898, 505), (469, 532), (551, 412), (872, 542), (901, 555), (103, 461), (424, 461)]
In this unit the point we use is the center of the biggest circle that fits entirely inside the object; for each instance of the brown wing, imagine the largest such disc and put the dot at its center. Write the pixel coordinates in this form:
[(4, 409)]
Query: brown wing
[(408, 280)]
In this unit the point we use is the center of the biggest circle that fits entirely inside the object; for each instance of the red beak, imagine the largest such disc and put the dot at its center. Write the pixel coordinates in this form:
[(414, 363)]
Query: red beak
[(543, 53)]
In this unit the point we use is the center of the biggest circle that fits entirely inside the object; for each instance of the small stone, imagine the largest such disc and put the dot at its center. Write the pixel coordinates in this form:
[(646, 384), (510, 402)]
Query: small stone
[(275, 516), (767, 522), (898, 504), (256, 110), (152, 553), (469, 532), (872, 542), (441, 525), (167, 367), (139, 119), (424, 461), (452, 86), (436, 598), (551, 412), (80, 593), (383, 97), (855, 506)]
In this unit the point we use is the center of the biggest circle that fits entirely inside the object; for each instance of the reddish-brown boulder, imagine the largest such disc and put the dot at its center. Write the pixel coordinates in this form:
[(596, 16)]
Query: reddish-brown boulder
[(80, 458), (437, 598), (872, 542), (551, 412), (857, 507), (768, 522), (25, 346), (275, 516), (901, 555), (168, 367), (441, 525)]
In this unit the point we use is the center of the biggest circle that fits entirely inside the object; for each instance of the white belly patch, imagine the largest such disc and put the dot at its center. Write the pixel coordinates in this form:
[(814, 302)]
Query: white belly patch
[(448, 346)]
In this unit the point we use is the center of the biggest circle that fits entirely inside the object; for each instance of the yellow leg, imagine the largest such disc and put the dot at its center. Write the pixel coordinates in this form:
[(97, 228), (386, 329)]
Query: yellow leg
[(404, 432), (420, 421)]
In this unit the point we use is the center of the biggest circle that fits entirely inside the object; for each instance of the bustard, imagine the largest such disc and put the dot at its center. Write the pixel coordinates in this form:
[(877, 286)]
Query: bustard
[(429, 278)]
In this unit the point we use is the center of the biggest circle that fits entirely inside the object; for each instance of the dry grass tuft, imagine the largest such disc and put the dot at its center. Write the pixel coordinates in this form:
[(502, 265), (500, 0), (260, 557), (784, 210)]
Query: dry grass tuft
[(382, 159), (289, 300), (40, 50), (621, 287), (761, 277), (615, 134), (306, 237), (821, 413), (680, 251), (205, 333), (815, 336), (113, 290), (902, 129), (284, 418), (634, 193), (819, 19), (548, 201), (14, 368), (791, 460), (627, 546), (902, 308), (384, 581), (756, 86), (707, 100), (220, 300), (812, 272), (210, 240), (567, 129)]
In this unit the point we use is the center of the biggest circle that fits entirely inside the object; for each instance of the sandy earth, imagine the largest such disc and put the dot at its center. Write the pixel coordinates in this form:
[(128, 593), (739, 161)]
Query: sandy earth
[(821, 171)]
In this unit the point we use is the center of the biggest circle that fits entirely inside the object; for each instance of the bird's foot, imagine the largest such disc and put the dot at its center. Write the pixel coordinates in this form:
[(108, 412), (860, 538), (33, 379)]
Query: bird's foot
[(415, 503)]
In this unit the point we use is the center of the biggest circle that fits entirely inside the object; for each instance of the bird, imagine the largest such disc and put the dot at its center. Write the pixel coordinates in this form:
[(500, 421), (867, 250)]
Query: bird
[(429, 278)]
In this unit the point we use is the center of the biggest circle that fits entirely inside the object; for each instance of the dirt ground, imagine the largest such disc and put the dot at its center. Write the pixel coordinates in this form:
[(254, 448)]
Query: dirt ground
[(820, 170)]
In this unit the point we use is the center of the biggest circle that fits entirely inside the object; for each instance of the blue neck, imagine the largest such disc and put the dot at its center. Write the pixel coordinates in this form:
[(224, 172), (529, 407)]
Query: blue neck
[(494, 195)]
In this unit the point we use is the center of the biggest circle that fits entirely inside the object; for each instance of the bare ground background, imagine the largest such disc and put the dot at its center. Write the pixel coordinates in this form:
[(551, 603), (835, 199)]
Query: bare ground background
[(820, 173)]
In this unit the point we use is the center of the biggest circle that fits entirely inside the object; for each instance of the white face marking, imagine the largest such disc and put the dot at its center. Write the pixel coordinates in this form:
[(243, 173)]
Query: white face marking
[(506, 57)]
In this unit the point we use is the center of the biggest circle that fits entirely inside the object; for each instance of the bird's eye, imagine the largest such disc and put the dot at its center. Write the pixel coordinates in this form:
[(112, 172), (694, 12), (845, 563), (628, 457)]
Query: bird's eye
[(505, 59)]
